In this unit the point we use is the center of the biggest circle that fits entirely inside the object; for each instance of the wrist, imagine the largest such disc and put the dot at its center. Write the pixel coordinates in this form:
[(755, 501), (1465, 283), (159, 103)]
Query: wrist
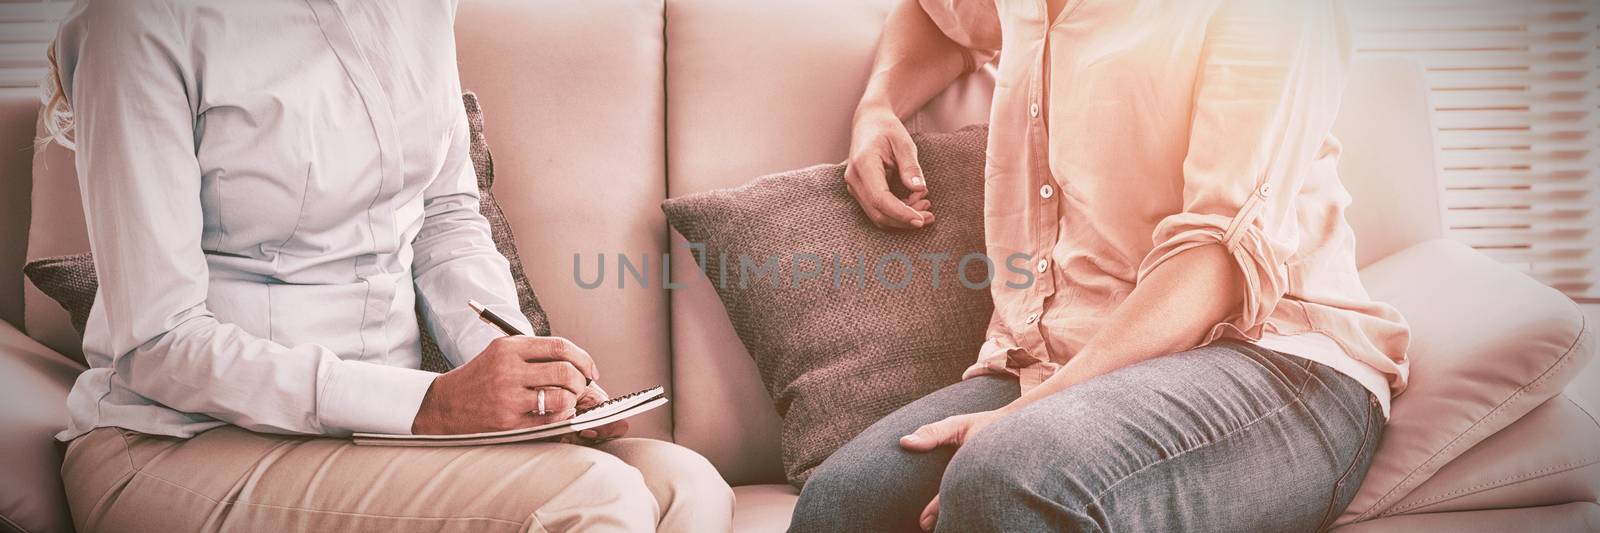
[(424, 422), (872, 107)]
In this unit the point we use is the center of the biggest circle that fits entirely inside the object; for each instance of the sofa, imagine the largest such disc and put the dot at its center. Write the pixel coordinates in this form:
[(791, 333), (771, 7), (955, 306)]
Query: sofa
[(598, 110)]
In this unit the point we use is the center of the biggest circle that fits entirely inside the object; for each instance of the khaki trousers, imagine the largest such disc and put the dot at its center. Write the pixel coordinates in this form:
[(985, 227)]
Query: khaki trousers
[(229, 479)]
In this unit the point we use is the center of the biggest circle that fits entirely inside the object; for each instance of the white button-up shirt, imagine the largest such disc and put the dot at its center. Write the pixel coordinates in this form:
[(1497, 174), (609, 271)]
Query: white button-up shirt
[(269, 187)]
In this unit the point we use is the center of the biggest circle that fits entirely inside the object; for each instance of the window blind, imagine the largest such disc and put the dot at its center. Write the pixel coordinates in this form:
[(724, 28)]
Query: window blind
[(1516, 91), (26, 29)]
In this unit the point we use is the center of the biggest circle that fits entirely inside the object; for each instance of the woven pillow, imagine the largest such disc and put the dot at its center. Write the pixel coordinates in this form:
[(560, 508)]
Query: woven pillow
[(70, 280), (835, 359)]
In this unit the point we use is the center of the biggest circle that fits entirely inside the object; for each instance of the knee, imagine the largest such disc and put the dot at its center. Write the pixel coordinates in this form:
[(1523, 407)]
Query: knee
[(1014, 465), (678, 477), (845, 495), (984, 475), (612, 480)]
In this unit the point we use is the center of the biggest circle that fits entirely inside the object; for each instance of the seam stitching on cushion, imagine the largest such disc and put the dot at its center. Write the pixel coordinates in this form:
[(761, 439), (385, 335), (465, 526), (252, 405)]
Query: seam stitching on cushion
[(13, 525), (1585, 411), (1095, 501), (1499, 409), (369, 515), (141, 473), (1503, 482)]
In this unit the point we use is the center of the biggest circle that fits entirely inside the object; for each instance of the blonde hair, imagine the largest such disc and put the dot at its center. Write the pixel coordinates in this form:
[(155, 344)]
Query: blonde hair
[(57, 111)]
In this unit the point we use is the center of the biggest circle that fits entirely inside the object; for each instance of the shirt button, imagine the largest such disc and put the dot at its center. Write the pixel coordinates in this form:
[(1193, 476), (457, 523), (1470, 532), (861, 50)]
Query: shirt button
[(1266, 188), (1047, 191), (1033, 110), (1033, 317), (1044, 264)]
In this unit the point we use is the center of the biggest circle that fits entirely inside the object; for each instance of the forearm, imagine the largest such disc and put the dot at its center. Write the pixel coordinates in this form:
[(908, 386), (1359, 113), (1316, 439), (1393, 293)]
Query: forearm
[(915, 61), (1173, 309)]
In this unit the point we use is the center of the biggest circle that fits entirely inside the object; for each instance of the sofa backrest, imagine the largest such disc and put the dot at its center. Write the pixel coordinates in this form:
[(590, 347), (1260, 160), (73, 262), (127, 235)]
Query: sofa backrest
[(1386, 126), (17, 112), (573, 104)]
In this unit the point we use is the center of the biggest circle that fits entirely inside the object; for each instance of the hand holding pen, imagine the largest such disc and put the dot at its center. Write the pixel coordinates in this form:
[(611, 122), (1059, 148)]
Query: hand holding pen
[(593, 395), (517, 381)]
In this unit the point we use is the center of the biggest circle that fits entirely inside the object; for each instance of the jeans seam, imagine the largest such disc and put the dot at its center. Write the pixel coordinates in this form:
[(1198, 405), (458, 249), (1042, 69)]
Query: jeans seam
[(1297, 399), (1333, 499)]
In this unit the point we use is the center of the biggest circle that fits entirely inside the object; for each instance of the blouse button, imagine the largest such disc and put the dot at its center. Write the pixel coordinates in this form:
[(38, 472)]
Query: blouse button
[(1044, 264), (1033, 110), (1033, 317), (1047, 191)]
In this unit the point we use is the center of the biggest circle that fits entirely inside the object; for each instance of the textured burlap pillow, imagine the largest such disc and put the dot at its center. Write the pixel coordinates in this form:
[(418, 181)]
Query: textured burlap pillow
[(837, 356), (70, 280)]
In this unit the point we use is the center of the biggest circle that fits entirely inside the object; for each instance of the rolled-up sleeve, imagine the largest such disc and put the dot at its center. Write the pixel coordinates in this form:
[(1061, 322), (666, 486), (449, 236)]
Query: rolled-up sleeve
[(125, 68), (973, 24), (1268, 91)]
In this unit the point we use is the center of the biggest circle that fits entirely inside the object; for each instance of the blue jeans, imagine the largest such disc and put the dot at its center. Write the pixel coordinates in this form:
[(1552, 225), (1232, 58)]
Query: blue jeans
[(1227, 437)]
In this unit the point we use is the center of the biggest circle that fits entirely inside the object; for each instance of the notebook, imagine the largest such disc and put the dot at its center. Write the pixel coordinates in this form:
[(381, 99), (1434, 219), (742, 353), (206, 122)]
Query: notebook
[(612, 410)]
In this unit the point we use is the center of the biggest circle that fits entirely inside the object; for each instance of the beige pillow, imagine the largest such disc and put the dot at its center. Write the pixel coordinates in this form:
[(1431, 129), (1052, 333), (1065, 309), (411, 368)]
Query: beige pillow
[(1488, 345), (836, 357)]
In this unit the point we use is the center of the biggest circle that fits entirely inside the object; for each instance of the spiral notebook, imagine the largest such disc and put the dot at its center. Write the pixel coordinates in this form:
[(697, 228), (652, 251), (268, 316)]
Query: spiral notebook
[(612, 410)]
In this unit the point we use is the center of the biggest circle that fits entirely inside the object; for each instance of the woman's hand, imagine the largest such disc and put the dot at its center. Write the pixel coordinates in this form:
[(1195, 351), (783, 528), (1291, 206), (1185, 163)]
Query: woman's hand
[(952, 432), (499, 389), (880, 143)]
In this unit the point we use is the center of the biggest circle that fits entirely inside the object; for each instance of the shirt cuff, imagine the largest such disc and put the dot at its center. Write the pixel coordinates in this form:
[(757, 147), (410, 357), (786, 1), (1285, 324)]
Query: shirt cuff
[(360, 397)]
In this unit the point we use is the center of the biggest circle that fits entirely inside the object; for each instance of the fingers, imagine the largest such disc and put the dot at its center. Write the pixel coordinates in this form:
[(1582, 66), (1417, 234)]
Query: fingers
[(559, 404), (930, 515), (942, 433), (559, 374), (549, 349), (869, 185), (905, 161)]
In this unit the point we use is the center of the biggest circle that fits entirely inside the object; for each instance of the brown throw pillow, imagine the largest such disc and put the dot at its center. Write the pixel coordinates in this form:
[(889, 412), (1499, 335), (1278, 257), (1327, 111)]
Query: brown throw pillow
[(70, 280), (838, 355)]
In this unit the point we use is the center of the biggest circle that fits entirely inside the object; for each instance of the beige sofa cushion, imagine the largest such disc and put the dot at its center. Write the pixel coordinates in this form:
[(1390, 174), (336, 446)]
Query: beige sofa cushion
[(574, 93), (35, 381), (17, 112), (1550, 456), (1488, 345), (575, 89), (1565, 518), (56, 228), (759, 87)]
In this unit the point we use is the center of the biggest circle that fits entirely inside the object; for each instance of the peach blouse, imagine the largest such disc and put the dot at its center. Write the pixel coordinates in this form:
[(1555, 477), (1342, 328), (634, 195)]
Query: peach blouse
[(1123, 133)]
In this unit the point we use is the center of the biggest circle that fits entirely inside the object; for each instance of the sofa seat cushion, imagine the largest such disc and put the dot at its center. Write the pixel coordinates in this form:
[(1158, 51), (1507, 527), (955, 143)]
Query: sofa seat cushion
[(763, 508), (1489, 344), (1577, 516), (1547, 457), (36, 380)]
